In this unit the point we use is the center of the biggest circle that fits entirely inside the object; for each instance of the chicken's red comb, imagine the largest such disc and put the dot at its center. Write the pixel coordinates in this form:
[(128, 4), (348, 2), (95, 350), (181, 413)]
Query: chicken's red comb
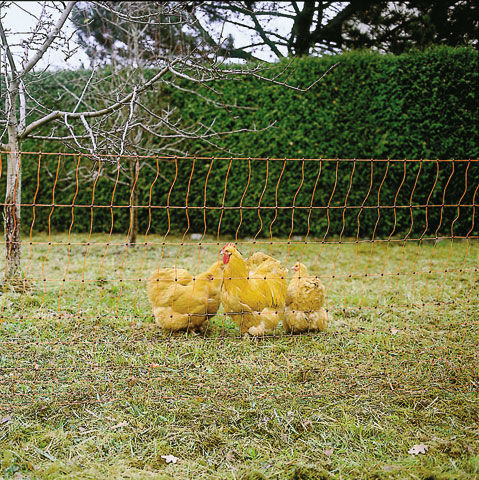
[(230, 244)]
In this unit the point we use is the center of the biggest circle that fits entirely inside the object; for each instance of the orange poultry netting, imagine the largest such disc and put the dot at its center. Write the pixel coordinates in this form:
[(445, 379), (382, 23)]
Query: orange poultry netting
[(390, 249)]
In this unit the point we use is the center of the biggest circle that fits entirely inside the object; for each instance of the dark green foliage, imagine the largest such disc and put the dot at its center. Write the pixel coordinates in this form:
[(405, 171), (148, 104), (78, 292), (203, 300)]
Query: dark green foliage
[(420, 105), (416, 105), (399, 26)]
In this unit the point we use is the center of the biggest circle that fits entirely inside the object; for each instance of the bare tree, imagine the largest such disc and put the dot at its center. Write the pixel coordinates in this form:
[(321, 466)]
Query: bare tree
[(308, 27), (14, 121), (108, 112), (129, 57), (317, 26)]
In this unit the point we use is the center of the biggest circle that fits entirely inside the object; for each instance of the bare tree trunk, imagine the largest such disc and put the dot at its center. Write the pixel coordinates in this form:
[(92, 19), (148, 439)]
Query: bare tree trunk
[(133, 201), (13, 194), (11, 210), (16, 123), (136, 57)]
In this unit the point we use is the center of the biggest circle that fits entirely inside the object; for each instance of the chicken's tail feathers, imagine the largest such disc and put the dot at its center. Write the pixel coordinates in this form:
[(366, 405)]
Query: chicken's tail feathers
[(153, 288)]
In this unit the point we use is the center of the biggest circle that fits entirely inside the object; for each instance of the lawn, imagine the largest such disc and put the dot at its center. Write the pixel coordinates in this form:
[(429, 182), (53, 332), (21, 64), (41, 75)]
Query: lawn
[(90, 388)]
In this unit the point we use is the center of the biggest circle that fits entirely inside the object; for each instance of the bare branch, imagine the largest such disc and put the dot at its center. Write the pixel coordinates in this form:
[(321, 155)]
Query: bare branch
[(96, 113), (292, 87), (127, 123), (263, 35), (50, 38), (232, 53), (253, 73), (23, 107), (65, 119), (7, 50), (208, 100), (90, 132), (85, 88), (58, 138)]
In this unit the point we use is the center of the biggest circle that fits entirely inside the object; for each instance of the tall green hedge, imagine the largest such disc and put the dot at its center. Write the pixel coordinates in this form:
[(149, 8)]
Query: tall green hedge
[(416, 105), (419, 105)]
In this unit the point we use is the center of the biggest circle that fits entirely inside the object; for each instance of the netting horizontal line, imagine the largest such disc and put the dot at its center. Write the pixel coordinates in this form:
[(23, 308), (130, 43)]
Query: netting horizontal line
[(269, 277), (180, 339), (179, 376), (411, 367), (129, 317), (428, 355), (256, 207), (133, 381), (458, 327), (187, 157), (257, 242), (151, 324), (343, 309), (173, 370), (235, 395), (185, 339)]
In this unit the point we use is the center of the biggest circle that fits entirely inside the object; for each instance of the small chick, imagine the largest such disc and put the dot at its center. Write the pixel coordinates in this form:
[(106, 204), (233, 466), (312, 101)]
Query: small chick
[(180, 301), (304, 303)]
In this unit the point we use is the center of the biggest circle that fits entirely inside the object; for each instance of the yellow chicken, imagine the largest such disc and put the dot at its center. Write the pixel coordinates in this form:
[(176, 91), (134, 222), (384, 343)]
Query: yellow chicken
[(253, 299), (180, 301), (257, 259), (304, 303)]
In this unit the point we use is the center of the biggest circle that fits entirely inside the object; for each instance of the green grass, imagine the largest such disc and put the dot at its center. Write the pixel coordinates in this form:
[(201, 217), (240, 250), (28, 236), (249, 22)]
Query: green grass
[(90, 388)]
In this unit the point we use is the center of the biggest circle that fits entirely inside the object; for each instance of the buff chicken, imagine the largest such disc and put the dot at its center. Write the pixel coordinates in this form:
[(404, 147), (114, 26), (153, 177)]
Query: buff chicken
[(257, 259), (304, 303), (181, 301), (253, 297)]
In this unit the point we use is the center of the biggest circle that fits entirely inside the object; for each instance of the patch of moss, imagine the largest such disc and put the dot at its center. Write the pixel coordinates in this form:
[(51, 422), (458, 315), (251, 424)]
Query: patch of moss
[(309, 473), (253, 475)]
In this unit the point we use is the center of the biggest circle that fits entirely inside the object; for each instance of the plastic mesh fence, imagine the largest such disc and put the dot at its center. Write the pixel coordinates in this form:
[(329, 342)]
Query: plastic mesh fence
[(394, 242)]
